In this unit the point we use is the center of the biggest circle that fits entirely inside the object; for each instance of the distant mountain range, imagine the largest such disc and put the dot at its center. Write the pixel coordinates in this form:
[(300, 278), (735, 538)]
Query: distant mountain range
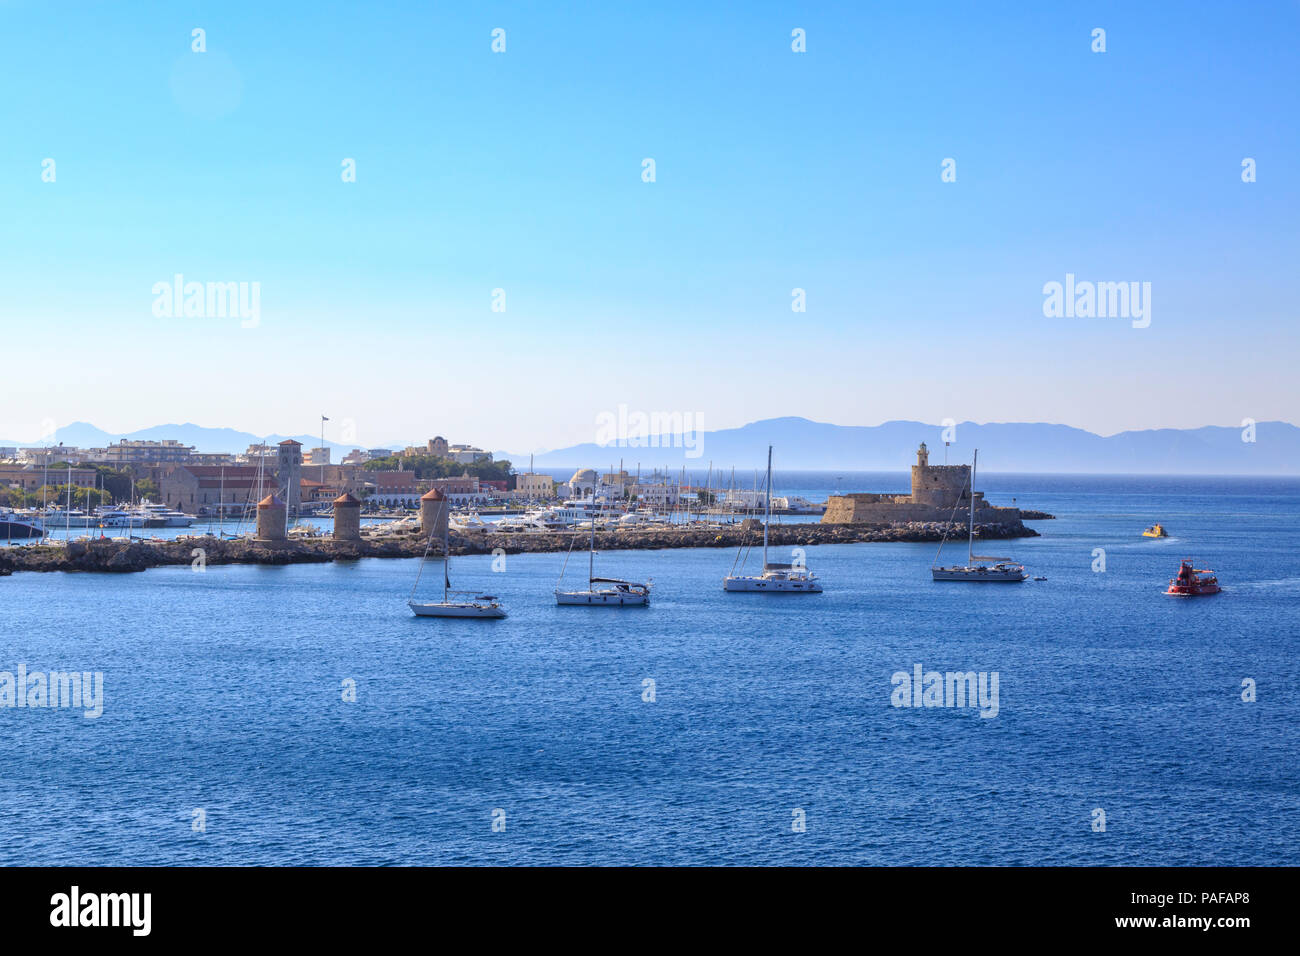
[(205, 440), (801, 444), (1004, 447)]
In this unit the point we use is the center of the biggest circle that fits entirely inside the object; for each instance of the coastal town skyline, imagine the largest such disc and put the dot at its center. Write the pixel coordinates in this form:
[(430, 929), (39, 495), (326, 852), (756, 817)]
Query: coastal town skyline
[(665, 209), (1249, 448)]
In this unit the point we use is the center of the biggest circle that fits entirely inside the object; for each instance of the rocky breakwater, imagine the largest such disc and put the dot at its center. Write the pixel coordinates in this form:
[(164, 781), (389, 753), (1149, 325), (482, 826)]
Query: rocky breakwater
[(116, 555), (779, 535)]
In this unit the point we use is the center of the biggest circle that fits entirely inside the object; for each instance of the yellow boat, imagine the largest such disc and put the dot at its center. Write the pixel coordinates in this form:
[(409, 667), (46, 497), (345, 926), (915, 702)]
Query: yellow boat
[(1155, 531)]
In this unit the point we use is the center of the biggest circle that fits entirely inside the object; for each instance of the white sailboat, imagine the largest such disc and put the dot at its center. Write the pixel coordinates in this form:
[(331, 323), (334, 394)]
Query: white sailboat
[(1003, 570), (776, 578), (481, 606), (603, 592)]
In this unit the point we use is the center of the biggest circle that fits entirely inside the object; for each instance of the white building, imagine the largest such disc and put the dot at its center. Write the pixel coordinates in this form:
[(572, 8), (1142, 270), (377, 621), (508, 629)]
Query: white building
[(656, 495), (467, 454), (530, 485), (743, 500)]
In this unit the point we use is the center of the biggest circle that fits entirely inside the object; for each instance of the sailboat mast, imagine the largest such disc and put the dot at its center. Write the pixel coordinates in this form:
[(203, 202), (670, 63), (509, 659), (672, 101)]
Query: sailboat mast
[(970, 541), (767, 504), (591, 551), (446, 550)]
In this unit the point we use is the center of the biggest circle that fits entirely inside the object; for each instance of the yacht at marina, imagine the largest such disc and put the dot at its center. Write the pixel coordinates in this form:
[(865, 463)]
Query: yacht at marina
[(67, 518), (20, 524), (170, 517)]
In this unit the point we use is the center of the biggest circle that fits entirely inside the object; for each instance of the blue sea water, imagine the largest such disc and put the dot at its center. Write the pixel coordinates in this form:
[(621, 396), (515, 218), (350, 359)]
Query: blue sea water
[(224, 692)]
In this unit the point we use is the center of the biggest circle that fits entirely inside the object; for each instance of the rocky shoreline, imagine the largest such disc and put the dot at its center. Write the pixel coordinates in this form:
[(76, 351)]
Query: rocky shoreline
[(115, 555)]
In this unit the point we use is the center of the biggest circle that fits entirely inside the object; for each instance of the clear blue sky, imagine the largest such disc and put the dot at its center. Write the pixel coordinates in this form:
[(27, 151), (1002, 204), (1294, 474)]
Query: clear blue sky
[(522, 171)]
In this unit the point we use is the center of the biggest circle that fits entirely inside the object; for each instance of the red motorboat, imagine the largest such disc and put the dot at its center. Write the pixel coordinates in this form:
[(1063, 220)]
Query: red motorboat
[(1190, 583)]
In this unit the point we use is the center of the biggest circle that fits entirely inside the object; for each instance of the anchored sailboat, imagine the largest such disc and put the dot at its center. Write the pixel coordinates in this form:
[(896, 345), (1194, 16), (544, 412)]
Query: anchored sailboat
[(1004, 570), (483, 605), (776, 578), (603, 592)]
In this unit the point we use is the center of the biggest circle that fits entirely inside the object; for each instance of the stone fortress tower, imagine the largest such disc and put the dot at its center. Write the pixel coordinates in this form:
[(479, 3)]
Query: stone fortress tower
[(347, 518), (288, 472), (939, 486), (936, 491)]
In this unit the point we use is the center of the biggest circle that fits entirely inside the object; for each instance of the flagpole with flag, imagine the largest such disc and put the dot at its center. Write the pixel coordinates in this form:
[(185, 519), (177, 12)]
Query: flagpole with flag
[(323, 420)]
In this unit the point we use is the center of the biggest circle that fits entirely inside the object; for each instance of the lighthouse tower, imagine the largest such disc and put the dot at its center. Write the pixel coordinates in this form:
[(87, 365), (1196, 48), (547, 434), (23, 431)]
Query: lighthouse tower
[(938, 486)]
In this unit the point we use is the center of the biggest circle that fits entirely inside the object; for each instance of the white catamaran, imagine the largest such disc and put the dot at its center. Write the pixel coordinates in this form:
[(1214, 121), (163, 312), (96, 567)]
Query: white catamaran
[(482, 605), (776, 578), (602, 592), (1004, 570)]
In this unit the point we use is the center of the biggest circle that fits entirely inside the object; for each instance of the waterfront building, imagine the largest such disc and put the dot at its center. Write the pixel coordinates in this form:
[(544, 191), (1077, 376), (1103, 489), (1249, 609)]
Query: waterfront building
[(357, 456), (656, 495), (438, 446), (464, 490), (30, 477), (379, 453), (49, 454), (531, 485), (202, 489), (125, 452), (341, 478), (395, 489), (316, 457)]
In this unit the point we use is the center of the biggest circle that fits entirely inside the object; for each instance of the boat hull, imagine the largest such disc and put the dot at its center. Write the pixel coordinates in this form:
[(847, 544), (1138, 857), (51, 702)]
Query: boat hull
[(601, 599), (19, 529), (980, 575), (456, 609), (1201, 590), (760, 585)]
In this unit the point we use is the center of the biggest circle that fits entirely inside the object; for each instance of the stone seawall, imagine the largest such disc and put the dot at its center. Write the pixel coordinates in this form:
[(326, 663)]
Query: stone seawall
[(114, 555), (874, 509)]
